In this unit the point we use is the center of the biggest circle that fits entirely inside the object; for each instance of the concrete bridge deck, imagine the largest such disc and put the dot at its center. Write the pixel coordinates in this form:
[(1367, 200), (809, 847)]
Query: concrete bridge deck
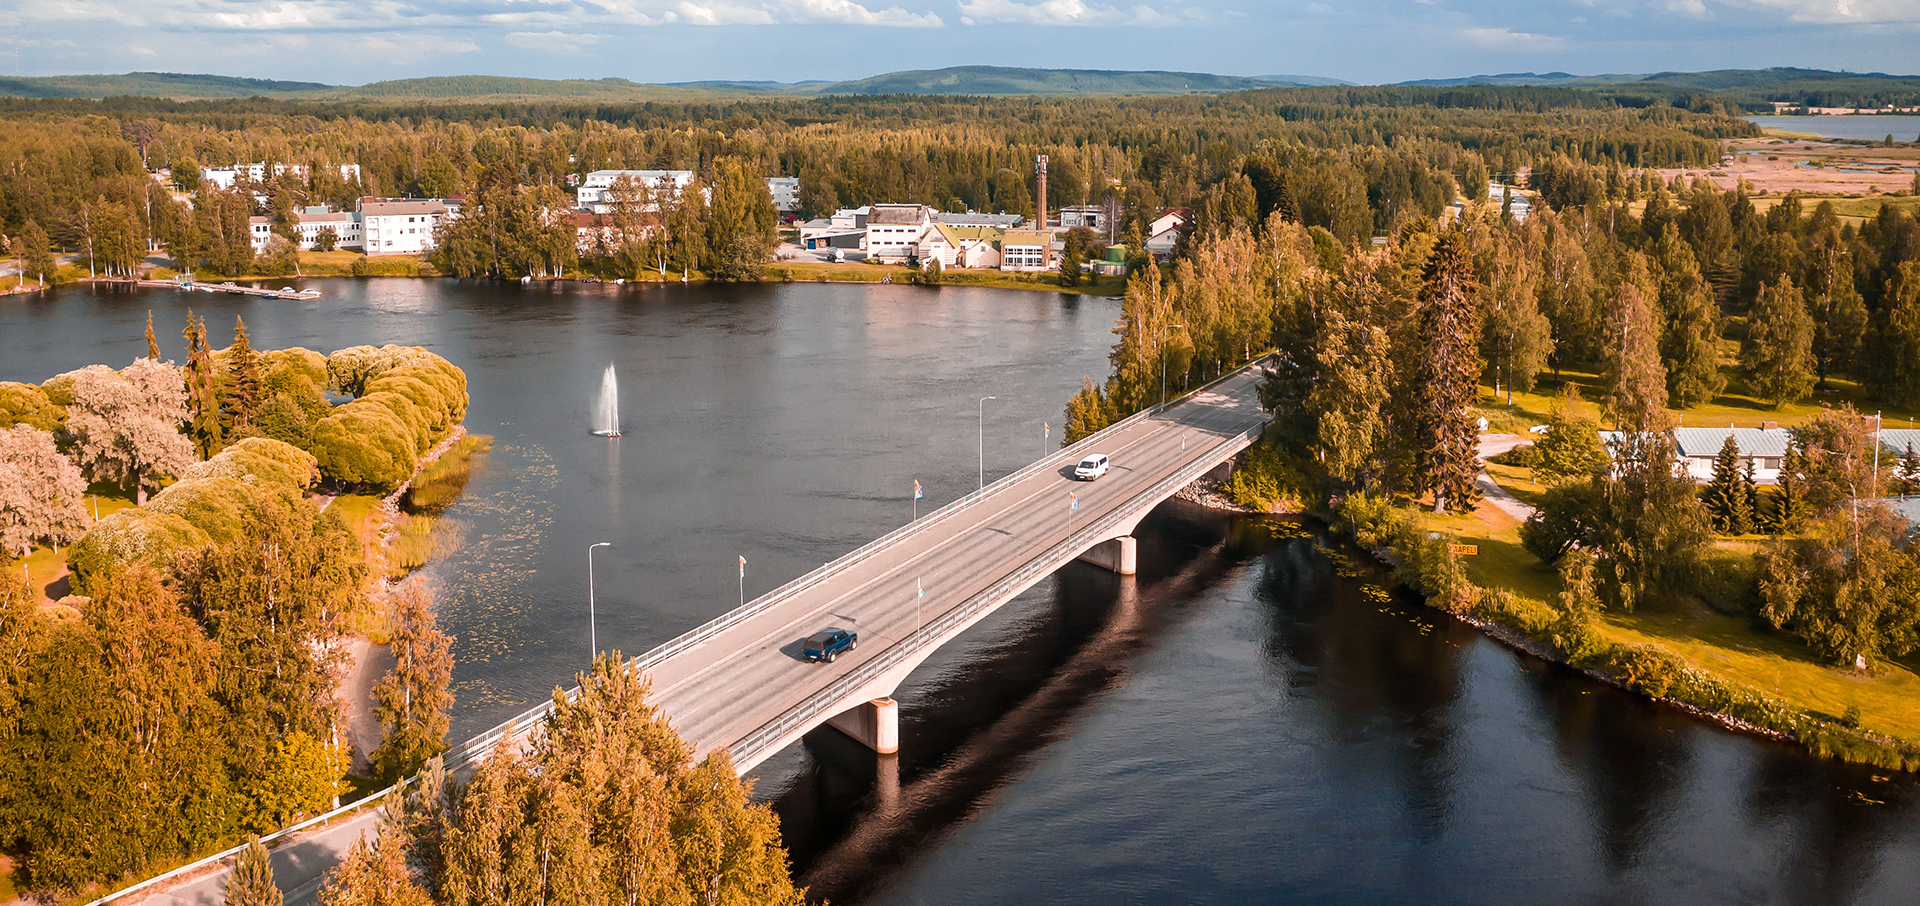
[(739, 683), (745, 688)]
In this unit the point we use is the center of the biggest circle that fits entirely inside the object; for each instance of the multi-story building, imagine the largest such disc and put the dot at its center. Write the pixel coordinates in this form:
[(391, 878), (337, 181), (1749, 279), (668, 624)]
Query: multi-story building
[(308, 225), (786, 193), (1026, 250), (595, 186), (401, 226), (227, 177), (894, 230), (1092, 217)]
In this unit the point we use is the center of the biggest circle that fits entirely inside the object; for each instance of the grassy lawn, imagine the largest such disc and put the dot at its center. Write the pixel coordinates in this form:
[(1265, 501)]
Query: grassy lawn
[(1732, 646), (1731, 407), (43, 567), (861, 272)]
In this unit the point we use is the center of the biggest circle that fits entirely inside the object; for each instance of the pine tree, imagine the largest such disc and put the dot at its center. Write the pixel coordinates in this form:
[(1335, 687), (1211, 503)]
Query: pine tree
[(1445, 378), (1910, 472), (1726, 496), (1689, 340), (1790, 506), (251, 883), (243, 382), (412, 701), (1750, 497), (153, 346), (1777, 357), (203, 397)]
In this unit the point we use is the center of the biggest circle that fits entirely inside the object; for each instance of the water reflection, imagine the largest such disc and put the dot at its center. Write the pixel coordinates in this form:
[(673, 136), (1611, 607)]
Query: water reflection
[(1242, 723)]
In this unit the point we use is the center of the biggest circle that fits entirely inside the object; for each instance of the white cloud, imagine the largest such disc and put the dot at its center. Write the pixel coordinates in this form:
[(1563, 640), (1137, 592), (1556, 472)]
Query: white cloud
[(851, 13), (1056, 12), (1507, 39)]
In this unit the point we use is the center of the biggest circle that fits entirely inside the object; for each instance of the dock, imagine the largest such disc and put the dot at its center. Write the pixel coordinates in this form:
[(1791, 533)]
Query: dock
[(233, 289)]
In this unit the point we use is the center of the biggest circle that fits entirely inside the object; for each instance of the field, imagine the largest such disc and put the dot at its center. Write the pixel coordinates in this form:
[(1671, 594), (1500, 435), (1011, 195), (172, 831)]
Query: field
[(1856, 178)]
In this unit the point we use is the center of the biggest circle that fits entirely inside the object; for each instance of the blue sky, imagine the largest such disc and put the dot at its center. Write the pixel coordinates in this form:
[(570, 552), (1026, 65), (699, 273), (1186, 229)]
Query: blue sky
[(357, 41)]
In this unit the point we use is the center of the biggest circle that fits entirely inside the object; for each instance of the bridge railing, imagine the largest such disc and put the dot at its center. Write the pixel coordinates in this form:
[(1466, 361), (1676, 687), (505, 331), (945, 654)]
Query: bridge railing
[(478, 747), (521, 724), (834, 697)]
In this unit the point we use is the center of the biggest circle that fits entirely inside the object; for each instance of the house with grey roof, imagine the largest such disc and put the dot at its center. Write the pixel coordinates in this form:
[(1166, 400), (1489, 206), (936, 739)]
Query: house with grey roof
[(1697, 448)]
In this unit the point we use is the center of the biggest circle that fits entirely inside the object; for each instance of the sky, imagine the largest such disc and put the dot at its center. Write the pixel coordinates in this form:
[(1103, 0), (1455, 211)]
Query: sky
[(353, 42)]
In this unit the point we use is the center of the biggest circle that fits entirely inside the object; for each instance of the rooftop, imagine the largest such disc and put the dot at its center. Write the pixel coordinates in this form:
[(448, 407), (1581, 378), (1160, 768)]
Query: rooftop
[(1026, 237), (388, 207), (897, 214), (1751, 441)]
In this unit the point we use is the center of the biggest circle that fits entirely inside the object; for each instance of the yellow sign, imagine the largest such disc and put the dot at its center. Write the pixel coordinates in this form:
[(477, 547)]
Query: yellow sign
[(1465, 550)]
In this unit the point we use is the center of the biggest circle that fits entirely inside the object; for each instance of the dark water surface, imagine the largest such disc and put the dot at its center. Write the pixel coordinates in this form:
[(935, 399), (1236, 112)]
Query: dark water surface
[(1241, 723)]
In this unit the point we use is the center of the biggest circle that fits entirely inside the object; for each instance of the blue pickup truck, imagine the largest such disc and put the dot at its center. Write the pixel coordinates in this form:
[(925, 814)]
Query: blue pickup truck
[(828, 643)]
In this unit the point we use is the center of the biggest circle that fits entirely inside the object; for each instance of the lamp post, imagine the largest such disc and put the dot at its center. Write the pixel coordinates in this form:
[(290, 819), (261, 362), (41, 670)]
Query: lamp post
[(1163, 362), (593, 636), (981, 426)]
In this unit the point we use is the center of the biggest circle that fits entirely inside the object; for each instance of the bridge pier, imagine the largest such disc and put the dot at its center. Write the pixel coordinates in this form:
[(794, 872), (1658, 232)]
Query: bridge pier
[(874, 724), (1120, 554)]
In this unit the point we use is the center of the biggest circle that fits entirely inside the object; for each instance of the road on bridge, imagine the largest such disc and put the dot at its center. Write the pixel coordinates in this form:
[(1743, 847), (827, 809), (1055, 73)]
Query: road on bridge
[(722, 690)]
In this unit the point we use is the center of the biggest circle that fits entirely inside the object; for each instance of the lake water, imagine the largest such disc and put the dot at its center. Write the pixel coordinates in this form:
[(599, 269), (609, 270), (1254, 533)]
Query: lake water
[(1869, 127), (1240, 723)]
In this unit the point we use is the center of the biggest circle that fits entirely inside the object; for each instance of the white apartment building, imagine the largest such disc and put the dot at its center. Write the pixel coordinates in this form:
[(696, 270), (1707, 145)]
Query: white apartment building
[(893, 230), (260, 232), (786, 193), (309, 223), (401, 226), (227, 177), (594, 188)]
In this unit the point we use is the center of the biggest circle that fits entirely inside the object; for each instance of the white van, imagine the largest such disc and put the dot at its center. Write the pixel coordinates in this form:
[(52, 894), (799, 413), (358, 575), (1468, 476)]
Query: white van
[(1092, 467)]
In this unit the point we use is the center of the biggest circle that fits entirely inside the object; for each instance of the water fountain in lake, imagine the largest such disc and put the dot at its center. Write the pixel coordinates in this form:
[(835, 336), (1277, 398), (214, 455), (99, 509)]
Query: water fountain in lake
[(606, 412)]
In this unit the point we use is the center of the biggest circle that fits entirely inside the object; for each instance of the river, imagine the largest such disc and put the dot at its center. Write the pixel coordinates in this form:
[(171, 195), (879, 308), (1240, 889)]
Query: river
[(1865, 127), (1243, 722)]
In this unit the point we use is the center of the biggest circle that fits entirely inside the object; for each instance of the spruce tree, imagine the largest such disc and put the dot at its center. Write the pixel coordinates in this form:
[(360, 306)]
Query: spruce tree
[(1910, 472), (203, 397), (1445, 378), (153, 346), (1725, 497), (1749, 497), (251, 883), (243, 382), (1789, 507), (1690, 337), (1777, 357)]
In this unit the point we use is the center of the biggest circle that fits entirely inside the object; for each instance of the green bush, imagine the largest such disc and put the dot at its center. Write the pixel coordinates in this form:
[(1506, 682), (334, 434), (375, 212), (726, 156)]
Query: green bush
[(135, 533), (1524, 456), (1371, 519), (406, 400), (1264, 479), (27, 404), (1646, 669)]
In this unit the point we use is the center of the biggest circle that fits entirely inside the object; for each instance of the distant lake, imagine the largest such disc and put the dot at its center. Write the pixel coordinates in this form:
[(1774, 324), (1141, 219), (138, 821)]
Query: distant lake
[(1870, 128)]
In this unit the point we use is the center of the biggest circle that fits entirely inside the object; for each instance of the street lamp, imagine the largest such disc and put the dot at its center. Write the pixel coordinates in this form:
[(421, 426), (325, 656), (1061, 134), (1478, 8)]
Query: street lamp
[(1163, 362), (981, 425), (593, 636)]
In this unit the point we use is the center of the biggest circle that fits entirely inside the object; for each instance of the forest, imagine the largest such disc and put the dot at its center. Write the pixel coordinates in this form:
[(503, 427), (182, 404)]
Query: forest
[(77, 175)]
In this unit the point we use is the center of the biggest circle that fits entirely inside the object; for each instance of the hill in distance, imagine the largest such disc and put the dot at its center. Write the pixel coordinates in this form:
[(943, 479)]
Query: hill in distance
[(959, 80), (1003, 80), (151, 84)]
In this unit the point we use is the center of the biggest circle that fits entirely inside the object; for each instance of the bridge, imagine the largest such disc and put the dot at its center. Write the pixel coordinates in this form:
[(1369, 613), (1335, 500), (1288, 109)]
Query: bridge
[(738, 682)]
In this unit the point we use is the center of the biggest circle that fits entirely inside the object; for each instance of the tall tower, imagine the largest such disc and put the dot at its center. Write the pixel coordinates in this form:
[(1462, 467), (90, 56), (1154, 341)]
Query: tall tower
[(1041, 162)]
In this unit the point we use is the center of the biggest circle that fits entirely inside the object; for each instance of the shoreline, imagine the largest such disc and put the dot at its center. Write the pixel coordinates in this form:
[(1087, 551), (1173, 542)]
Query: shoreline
[(958, 279)]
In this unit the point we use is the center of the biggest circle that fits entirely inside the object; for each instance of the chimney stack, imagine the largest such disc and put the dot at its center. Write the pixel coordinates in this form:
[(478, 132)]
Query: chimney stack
[(1041, 162)]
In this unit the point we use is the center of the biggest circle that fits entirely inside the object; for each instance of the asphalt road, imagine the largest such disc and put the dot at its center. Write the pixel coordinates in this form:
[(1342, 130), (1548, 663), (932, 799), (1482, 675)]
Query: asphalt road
[(724, 689)]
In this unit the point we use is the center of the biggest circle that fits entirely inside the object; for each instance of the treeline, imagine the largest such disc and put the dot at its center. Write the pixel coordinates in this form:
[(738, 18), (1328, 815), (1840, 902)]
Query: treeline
[(1379, 354), (184, 694), (76, 171), (606, 806)]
